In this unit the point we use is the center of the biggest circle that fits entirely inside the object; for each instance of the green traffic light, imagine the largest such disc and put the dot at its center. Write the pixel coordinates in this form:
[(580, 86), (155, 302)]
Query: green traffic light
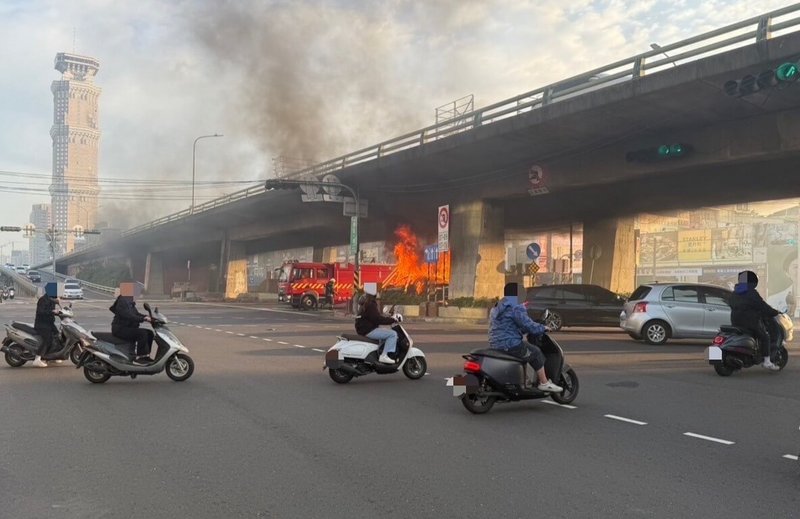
[(787, 72), (663, 151), (676, 150)]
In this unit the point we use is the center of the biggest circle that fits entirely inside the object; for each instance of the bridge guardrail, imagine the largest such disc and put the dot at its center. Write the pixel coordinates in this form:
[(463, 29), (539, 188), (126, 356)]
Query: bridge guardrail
[(23, 283), (92, 286), (727, 38)]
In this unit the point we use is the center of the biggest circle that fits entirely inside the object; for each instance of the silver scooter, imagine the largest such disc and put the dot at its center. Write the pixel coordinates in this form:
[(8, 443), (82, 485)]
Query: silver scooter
[(109, 356), (22, 341)]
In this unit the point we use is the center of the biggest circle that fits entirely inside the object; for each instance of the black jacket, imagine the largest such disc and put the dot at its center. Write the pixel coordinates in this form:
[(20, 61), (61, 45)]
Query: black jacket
[(125, 314), (329, 289), (748, 309), (370, 317), (45, 318)]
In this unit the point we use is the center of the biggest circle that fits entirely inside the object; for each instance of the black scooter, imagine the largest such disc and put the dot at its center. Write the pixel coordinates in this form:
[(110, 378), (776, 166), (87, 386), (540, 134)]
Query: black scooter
[(491, 376), (733, 349)]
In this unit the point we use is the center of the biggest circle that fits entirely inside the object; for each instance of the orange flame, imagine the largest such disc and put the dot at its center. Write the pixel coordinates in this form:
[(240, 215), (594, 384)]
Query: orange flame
[(411, 270)]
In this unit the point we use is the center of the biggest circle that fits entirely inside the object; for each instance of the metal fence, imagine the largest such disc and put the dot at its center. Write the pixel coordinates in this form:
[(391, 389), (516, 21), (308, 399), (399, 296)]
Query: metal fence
[(747, 32)]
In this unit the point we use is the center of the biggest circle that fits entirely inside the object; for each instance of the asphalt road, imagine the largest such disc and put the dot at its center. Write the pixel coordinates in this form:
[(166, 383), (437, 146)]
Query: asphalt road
[(261, 431)]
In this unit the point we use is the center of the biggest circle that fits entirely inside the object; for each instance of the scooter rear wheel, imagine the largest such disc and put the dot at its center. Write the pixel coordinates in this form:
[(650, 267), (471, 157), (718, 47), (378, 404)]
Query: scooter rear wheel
[(476, 404), (14, 360), (339, 376), (95, 377), (723, 370)]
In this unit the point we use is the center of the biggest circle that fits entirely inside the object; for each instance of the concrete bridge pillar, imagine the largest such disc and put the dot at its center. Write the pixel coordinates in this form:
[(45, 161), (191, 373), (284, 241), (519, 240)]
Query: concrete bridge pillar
[(477, 249), (233, 268), (154, 274), (615, 267)]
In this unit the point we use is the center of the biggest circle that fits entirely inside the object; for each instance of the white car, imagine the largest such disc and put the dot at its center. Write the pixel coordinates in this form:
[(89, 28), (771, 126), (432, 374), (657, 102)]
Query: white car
[(72, 291)]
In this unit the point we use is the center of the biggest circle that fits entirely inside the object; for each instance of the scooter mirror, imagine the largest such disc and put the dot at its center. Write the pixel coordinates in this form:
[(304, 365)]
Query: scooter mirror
[(147, 306), (156, 309), (386, 309)]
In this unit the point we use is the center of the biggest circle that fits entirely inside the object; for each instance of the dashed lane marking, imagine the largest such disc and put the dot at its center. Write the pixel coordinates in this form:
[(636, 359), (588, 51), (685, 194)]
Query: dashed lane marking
[(319, 350), (253, 337), (708, 438), (266, 339), (623, 419), (565, 406), (229, 332), (790, 457), (297, 345), (240, 334), (281, 342)]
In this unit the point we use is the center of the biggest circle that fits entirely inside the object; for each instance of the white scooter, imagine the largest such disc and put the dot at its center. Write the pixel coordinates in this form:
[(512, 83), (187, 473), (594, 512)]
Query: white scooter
[(355, 356)]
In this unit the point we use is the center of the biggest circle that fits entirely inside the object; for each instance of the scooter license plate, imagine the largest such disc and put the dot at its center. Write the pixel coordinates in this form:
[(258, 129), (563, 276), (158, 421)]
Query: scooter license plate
[(714, 353)]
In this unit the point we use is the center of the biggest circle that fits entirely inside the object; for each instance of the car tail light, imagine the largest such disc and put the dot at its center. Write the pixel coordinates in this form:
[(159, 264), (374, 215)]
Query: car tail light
[(472, 367), (719, 339), (640, 307)]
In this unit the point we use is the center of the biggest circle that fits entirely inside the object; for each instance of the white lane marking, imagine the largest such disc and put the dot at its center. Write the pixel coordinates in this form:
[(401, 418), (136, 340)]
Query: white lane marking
[(240, 334), (229, 332), (209, 329), (281, 342), (565, 406), (217, 330), (319, 350), (266, 339), (790, 457), (709, 438), (297, 345), (623, 419), (253, 337)]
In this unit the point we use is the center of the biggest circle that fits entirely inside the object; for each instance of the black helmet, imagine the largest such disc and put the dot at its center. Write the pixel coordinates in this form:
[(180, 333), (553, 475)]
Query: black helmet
[(749, 277)]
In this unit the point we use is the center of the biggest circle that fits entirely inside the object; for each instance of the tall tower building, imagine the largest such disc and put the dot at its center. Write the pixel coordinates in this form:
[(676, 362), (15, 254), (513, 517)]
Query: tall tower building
[(38, 245), (76, 139)]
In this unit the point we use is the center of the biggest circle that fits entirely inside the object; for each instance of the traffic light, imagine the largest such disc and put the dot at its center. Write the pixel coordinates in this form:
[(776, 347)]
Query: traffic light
[(782, 75), (659, 153), (275, 183), (10, 229)]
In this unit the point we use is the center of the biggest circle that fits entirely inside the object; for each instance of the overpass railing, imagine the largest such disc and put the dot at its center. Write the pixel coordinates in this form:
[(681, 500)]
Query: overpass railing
[(759, 28), (24, 285), (91, 286)]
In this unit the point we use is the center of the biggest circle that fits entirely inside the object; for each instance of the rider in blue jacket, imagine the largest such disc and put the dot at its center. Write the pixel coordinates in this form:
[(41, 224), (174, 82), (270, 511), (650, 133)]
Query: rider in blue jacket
[(508, 322)]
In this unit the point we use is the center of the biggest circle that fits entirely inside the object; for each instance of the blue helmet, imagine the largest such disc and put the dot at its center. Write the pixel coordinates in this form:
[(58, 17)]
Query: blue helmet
[(51, 289)]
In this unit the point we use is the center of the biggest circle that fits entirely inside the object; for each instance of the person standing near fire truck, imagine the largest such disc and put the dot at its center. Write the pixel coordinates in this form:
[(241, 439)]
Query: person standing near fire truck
[(330, 292)]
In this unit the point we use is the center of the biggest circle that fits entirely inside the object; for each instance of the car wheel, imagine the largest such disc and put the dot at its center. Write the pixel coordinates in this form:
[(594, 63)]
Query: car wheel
[(656, 332), (554, 321)]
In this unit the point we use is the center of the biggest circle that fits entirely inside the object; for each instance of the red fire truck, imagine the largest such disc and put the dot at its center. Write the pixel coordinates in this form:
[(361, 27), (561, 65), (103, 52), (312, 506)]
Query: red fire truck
[(303, 284)]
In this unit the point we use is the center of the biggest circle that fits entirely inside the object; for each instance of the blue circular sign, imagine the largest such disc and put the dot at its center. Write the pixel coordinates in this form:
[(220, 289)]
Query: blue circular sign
[(533, 251)]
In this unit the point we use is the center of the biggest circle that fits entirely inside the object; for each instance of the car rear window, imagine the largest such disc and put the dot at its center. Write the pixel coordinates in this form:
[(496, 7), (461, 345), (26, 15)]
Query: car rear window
[(71, 286), (33, 273), (640, 293), (542, 293)]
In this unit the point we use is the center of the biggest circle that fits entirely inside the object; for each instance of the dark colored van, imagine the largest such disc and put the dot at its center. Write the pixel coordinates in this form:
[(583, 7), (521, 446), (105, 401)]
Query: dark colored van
[(575, 305)]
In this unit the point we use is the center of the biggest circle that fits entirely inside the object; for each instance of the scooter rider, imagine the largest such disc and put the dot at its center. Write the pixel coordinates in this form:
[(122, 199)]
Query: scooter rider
[(508, 322), (369, 320), (45, 323), (751, 313), (126, 323)]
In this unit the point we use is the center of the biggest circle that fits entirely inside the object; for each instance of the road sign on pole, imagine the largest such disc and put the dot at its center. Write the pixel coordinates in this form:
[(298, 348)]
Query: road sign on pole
[(533, 251), (354, 234), (443, 221)]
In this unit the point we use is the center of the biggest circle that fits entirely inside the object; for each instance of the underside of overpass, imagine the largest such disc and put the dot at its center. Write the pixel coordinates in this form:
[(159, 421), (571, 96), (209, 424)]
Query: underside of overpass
[(745, 149)]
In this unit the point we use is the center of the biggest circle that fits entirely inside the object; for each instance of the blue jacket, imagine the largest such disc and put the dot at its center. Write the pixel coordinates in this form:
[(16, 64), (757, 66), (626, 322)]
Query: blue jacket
[(508, 322)]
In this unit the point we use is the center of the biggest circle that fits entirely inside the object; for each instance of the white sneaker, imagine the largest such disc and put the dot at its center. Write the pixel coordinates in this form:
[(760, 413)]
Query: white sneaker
[(39, 363), (769, 365), (550, 387), (385, 359)]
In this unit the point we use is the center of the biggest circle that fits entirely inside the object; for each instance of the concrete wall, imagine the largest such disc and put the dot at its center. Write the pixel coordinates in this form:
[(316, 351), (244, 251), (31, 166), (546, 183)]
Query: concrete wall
[(477, 249), (615, 267)]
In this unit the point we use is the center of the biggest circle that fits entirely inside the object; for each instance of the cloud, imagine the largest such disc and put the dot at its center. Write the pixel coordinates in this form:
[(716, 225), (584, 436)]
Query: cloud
[(307, 80)]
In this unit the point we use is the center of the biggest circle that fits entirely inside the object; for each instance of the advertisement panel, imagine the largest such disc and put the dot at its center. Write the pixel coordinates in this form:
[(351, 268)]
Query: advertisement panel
[(694, 245), (666, 247), (732, 243), (781, 277)]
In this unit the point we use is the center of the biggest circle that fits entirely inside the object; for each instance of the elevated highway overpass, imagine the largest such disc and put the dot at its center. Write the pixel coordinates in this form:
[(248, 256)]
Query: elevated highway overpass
[(579, 131)]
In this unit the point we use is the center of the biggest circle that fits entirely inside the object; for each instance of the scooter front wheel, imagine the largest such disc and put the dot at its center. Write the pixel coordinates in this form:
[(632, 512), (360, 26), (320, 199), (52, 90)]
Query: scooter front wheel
[(569, 382), (75, 354), (415, 368), (339, 376), (180, 367), (782, 357)]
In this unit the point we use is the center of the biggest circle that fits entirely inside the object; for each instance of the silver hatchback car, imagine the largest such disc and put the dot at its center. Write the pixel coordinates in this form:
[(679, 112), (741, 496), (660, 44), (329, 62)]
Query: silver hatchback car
[(657, 312)]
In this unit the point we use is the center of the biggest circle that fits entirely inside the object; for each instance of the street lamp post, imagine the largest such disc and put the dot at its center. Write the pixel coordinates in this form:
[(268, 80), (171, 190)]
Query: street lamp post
[(194, 152), (283, 184)]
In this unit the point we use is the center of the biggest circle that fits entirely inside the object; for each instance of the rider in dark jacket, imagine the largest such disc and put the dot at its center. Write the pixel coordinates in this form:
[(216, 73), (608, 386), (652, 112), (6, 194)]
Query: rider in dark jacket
[(368, 323), (751, 313), (45, 323), (126, 327)]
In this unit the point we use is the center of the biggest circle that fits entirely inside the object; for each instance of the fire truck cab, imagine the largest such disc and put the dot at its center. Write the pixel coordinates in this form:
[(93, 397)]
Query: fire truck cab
[(302, 284)]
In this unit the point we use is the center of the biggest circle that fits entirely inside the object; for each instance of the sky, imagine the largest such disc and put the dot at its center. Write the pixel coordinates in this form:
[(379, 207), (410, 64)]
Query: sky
[(305, 80)]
